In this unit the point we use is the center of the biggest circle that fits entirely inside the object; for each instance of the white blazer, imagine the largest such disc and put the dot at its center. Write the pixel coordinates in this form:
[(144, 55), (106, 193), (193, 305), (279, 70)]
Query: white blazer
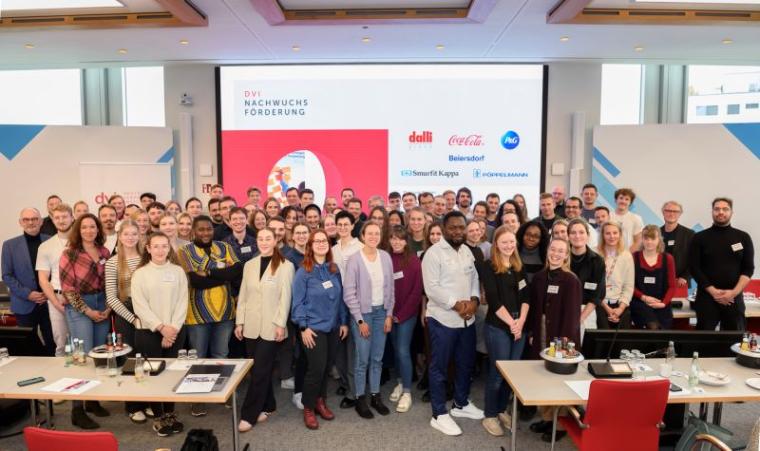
[(264, 302)]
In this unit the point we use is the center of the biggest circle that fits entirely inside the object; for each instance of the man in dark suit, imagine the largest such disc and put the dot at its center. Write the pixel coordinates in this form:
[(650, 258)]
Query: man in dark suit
[(28, 302), (677, 240)]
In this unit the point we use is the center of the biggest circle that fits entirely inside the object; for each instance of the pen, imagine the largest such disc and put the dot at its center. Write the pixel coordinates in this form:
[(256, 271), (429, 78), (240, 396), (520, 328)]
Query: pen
[(75, 385)]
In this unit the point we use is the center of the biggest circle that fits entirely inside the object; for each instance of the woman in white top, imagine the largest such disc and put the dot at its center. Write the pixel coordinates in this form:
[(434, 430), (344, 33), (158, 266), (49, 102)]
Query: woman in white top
[(620, 275), (159, 296), (167, 224), (262, 314), (119, 269)]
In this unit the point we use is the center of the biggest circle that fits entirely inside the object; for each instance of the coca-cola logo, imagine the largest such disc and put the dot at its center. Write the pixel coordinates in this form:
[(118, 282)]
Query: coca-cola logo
[(467, 140)]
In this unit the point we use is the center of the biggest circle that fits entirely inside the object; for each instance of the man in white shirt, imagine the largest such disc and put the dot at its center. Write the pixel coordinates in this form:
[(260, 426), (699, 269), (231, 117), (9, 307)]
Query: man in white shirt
[(107, 216), (48, 256), (631, 223), (453, 290)]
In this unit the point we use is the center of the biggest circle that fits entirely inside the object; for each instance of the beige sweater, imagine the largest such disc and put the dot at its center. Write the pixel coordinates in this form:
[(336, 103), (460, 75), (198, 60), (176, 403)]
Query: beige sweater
[(621, 275), (159, 295)]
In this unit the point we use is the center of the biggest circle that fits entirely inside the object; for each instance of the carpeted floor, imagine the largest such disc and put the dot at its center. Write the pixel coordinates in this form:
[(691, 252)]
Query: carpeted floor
[(285, 430)]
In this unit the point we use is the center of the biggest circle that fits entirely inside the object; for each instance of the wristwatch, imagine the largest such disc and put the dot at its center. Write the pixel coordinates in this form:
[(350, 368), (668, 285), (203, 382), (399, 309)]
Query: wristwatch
[(303, 329), (360, 322)]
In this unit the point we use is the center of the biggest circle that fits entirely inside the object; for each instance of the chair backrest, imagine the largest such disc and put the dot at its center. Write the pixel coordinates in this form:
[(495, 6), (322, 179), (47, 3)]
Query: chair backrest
[(38, 439), (681, 292), (753, 287), (625, 415)]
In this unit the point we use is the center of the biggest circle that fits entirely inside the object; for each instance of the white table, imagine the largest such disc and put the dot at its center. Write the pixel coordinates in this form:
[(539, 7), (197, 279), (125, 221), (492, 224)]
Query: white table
[(120, 388)]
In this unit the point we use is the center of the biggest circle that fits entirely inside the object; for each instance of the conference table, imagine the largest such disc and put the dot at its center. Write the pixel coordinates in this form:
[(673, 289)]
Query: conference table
[(534, 385), (158, 388)]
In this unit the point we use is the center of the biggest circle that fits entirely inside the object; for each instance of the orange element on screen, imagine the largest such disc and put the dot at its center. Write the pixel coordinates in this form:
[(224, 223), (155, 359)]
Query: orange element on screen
[(279, 182)]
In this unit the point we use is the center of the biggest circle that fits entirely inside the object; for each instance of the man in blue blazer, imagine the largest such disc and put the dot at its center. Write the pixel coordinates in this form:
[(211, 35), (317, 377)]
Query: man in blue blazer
[(28, 302)]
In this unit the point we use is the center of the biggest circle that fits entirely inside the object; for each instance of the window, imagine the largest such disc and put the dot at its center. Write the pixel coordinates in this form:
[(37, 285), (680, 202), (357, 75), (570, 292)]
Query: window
[(41, 97), (621, 94), (716, 94), (143, 101)]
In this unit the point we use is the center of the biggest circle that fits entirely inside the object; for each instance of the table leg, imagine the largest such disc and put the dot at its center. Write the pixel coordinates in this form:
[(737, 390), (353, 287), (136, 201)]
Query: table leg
[(34, 412), (717, 413), (514, 423), (235, 433), (49, 413), (554, 426), (703, 411)]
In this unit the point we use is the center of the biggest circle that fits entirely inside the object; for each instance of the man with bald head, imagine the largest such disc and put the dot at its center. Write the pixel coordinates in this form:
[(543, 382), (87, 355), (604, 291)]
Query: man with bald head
[(28, 302)]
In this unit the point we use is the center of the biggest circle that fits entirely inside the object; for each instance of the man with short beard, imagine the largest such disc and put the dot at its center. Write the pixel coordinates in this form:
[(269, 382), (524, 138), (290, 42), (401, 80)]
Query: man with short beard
[(107, 216), (155, 211), (48, 257), (464, 200), (48, 228), (221, 231), (117, 202)]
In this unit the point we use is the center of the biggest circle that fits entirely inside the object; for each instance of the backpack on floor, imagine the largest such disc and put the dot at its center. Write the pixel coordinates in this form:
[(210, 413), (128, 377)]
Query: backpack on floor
[(200, 440)]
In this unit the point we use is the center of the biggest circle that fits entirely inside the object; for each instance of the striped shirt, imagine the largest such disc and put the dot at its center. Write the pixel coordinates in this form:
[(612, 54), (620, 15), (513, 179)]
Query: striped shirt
[(208, 305), (80, 275), (112, 286)]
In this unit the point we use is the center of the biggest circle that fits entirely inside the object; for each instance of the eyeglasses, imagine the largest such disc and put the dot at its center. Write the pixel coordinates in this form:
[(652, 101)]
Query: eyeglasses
[(321, 242), (30, 219), (672, 211)]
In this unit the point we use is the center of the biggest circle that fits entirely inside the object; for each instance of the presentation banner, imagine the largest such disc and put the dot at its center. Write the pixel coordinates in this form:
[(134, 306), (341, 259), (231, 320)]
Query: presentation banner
[(377, 128), (692, 164), (99, 181)]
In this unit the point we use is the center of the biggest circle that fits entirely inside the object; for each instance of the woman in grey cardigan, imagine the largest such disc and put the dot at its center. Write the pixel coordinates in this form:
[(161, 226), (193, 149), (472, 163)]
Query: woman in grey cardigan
[(368, 291)]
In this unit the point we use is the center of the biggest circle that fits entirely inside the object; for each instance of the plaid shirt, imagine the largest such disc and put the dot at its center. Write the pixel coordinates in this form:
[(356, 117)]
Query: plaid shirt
[(81, 275)]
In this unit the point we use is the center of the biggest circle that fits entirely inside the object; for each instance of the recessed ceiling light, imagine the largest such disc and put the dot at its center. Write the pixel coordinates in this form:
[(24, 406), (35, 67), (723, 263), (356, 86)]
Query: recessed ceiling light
[(184, 41), (122, 51), (638, 48), (564, 38), (296, 48), (439, 47), (727, 41), (366, 39), (28, 46)]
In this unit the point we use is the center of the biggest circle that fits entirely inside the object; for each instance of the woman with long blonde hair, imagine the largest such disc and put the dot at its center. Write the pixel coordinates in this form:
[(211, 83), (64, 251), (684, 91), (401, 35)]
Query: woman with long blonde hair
[(620, 274)]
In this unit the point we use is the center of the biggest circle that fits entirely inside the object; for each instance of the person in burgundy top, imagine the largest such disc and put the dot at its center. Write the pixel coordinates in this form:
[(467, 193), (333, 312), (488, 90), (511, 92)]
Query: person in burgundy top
[(655, 283), (407, 276), (82, 272)]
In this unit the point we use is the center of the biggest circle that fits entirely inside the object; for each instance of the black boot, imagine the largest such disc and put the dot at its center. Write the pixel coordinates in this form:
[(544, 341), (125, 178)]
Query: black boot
[(377, 403), (347, 403), (81, 420), (96, 409), (362, 408)]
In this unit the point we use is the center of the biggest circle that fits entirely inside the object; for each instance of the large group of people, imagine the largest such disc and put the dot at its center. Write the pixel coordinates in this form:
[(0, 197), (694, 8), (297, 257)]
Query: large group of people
[(427, 287)]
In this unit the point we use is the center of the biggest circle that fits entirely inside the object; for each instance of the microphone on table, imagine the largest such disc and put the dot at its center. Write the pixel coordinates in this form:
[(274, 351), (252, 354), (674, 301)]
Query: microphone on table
[(608, 370)]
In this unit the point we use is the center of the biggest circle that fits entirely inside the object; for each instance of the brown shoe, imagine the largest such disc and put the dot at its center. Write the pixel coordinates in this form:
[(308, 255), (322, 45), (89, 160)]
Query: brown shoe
[(322, 410), (309, 419)]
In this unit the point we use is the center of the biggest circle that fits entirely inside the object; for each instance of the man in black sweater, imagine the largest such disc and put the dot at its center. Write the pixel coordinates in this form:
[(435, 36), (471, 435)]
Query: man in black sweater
[(677, 239), (722, 262)]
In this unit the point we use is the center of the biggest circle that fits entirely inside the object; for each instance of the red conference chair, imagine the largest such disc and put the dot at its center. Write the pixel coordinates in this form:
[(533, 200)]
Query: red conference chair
[(620, 415), (681, 292), (39, 439), (753, 287)]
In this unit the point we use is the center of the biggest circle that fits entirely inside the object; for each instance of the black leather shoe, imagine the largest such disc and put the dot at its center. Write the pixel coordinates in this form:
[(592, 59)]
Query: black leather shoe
[(363, 409), (542, 426), (96, 409), (341, 391), (82, 420), (426, 396), (547, 436), (377, 403), (347, 403)]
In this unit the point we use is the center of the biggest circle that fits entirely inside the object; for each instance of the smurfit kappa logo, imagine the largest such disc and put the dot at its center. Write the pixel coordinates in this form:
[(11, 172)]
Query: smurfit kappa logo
[(510, 140)]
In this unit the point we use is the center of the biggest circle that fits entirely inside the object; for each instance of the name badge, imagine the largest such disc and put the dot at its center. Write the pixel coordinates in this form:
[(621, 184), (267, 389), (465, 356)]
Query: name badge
[(327, 284), (169, 277), (398, 275), (737, 247), (220, 265), (589, 286), (419, 253), (522, 284), (245, 249), (552, 289), (592, 221), (671, 242), (269, 279), (649, 280), (102, 261)]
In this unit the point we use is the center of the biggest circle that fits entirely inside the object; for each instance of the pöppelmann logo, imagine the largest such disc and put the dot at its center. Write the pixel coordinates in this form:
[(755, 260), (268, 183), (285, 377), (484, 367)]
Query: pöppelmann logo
[(510, 140)]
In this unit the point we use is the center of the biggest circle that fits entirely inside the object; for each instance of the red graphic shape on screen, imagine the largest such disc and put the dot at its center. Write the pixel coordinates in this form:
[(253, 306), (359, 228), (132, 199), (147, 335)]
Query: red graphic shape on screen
[(349, 158)]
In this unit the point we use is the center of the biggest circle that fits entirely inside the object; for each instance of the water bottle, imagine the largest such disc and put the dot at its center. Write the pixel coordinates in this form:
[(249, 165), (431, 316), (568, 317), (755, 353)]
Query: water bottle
[(68, 358), (113, 370), (139, 371), (694, 371), (670, 355)]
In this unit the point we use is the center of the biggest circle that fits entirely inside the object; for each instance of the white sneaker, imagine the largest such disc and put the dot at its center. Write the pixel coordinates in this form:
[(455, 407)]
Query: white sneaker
[(404, 403), (396, 393), (288, 384), (468, 411), (138, 417), (149, 412), (445, 424), (297, 400)]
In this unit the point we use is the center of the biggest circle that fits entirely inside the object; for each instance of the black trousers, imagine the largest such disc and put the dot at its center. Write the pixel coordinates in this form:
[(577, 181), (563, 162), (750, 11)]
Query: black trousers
[(148, 344), (710, 314), (285, 350), (260, 395), (603, 323), (301, 363), (39, 320), (127, 331), (319, 360)]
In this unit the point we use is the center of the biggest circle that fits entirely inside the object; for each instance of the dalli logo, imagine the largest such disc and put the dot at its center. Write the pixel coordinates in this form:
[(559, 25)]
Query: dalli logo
[(424, 137), (510, 140)]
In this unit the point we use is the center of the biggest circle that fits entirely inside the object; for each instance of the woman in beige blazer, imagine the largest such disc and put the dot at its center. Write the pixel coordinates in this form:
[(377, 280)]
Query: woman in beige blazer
[(262, 315)]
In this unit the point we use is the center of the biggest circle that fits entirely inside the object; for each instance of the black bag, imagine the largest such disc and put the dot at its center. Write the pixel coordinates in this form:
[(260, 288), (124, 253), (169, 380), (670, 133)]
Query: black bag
[(200, 440)]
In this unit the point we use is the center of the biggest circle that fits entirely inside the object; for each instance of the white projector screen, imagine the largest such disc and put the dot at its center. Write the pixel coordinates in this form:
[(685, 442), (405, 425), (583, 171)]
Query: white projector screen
[(381, 128)]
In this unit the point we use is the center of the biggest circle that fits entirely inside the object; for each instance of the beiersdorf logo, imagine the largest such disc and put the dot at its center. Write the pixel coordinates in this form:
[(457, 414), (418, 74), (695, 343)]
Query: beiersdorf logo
[(510, 140)]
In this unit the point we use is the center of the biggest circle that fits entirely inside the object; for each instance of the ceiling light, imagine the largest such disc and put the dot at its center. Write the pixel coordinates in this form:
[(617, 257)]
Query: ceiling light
[(638, 48), (366, 39), (184, 41), (122, 51), (28, 46), (564, 38), (439, 47), (31, 5), (296, 48), (727, 41)]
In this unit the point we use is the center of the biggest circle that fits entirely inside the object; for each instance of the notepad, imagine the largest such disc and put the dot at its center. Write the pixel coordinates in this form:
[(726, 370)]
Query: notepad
[(71, 386), (197, 383)]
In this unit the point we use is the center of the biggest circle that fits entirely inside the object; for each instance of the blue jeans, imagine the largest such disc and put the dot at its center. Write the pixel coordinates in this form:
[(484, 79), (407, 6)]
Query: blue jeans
[(211, 339), (369, 351), (401, 336), (445, 343), (82, 327), (501, 345)]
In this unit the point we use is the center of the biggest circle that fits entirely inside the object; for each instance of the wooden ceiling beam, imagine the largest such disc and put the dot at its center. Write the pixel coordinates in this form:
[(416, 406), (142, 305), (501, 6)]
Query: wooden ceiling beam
[(565, 11)]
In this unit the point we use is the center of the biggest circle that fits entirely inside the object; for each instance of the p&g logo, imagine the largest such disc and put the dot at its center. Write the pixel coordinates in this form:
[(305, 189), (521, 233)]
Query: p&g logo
[(510, 140)]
